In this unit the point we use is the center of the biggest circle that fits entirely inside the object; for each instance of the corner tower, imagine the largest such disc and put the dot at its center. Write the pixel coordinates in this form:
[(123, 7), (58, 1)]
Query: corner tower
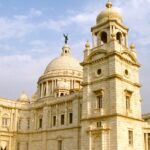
[(111, 88)]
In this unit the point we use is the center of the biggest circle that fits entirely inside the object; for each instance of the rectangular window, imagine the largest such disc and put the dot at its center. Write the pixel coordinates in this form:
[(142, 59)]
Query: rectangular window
[(99, 124), (40, 123), (127, 103), (60, 145), (130, 136), (70, 118), (5, 122), (62, 119), (54, 120), (100, 101)]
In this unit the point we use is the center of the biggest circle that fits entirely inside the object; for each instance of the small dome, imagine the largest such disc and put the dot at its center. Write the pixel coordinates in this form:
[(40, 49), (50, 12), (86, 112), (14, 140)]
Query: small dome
[(23, 98), (109, 13), (64, 62)]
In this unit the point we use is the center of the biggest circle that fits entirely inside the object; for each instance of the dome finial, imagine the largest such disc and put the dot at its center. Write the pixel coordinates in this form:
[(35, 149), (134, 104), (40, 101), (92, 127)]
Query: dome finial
[(109, 4), (87, 45)]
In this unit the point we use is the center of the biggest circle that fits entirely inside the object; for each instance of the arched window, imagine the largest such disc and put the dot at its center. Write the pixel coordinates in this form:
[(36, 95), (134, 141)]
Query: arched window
[(62, 94), (99, 98), (119, 37), (103, 38), (5, 120)]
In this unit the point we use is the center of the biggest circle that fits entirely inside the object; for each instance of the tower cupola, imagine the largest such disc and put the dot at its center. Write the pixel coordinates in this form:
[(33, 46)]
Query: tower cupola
[(109, 13), (109, 27)]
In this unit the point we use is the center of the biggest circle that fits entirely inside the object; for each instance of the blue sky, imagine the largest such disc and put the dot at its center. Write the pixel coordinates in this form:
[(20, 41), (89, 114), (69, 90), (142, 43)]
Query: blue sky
[(31, 35)]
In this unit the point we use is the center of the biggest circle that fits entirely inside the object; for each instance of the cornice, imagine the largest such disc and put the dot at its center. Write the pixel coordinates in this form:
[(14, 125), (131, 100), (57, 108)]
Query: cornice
[(110, 116), (112, 77), (108, 22), (48, 130), (40, 103)]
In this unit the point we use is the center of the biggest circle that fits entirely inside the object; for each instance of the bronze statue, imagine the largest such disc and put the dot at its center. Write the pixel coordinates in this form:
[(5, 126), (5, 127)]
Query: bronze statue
[(66, 38)]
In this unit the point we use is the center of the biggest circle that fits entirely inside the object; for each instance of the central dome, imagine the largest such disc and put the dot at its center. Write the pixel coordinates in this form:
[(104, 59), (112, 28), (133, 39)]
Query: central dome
[(109, 13), (62, 76), (64, 62)]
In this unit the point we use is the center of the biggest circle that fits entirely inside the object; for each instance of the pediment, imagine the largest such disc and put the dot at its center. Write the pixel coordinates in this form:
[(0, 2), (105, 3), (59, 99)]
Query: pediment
[(129, 56), (95, 55)]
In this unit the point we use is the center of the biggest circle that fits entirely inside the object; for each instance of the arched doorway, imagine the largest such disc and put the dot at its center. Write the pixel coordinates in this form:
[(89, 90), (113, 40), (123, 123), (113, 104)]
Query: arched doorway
[(3, 145)]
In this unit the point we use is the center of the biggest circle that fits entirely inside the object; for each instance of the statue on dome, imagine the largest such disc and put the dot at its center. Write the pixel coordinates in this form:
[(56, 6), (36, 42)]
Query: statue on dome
[(66, 38)]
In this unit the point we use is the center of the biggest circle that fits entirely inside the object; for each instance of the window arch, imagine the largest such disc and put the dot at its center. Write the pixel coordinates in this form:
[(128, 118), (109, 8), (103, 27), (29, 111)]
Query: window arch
[(5, 120), (99, 98), (103, 38), (119, 37)]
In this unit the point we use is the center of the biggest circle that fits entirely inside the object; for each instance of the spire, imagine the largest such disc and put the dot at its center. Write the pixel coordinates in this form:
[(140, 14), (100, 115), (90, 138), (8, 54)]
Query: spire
[(109, 4)]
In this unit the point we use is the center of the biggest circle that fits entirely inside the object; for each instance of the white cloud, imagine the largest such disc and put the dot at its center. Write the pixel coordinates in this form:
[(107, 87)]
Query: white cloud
[(20, 73), (35, 13), (40, 47), (16, 27), (79, 19), (19, 25), (5, 47)]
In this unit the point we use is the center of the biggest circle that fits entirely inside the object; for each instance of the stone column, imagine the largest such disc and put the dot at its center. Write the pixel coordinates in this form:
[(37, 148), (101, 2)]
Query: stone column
[(47, 89), (12, 119), (41, 90), (52, 87), (90, 140), (57, 116), (72, 84), (44, 138), (93, 40), (45, 118), (10, 143), (50, 117), (146, 140), (66, 114), (16, 120), (35, 120)]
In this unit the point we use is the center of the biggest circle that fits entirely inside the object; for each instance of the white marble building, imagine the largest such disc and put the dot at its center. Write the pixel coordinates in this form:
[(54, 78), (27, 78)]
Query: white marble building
[(93, 105)]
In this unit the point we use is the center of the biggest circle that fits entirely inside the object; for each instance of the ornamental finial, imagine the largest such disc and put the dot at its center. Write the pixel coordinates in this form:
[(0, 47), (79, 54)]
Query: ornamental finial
[(109, 4), (87, 45)]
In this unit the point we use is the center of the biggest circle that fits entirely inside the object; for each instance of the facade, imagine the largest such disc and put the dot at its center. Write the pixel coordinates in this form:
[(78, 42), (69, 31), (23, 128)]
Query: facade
[(93, 105)]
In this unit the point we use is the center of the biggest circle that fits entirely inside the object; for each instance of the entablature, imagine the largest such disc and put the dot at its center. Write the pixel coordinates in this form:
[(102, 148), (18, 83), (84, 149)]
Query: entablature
[(118, 76)]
